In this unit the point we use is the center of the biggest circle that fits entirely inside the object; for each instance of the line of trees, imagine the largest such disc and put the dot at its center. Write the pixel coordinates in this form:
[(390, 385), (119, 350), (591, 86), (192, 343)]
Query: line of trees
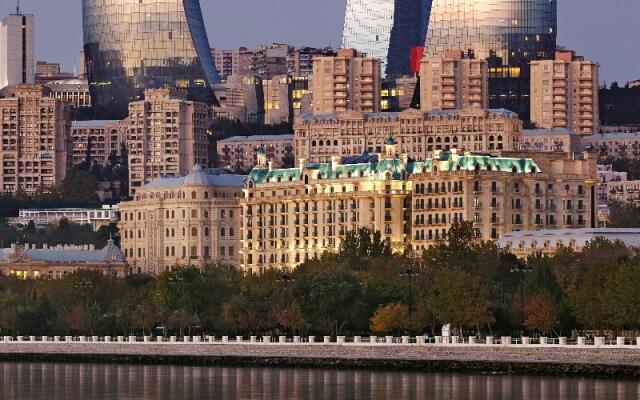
[(476, 287)]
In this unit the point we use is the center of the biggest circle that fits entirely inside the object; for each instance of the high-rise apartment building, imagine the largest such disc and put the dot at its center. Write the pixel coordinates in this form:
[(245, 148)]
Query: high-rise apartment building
[(36, 141), (510, 33), (17, 40), (189, 220), (232, 62), (241, 98), (133, 45), (386, 30), (240, 153), (293, 215), (454, 81), (166, 136), (564, 93), (346, 82), (418, 134)]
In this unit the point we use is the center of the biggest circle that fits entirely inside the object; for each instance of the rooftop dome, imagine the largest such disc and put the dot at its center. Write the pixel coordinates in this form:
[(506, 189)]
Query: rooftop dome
[(390, 141)]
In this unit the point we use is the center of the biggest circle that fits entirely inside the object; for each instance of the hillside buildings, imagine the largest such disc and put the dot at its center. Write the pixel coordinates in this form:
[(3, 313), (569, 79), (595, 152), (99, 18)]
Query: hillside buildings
[(615, 144), (166, 136)]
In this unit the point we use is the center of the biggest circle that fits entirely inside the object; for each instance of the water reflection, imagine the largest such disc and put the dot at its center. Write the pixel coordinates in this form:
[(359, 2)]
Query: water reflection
[(93, 381)]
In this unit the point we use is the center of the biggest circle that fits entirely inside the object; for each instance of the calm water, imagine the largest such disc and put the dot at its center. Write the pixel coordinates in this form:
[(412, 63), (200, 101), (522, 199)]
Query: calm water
[(92, 381)]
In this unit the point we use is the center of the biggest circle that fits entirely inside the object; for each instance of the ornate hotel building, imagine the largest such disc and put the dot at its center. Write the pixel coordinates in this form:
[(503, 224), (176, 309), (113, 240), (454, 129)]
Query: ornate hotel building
[(292, 215), (166, 136), (319, 137), (190, 220)]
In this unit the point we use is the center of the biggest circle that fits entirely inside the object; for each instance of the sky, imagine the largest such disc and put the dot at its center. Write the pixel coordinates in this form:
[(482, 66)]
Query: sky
[(603, 30)]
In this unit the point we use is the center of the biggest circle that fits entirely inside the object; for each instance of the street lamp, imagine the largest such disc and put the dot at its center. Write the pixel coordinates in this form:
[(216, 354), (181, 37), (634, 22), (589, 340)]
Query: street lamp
[(521, 271), (410, 273), (84, 286), (286, 279)]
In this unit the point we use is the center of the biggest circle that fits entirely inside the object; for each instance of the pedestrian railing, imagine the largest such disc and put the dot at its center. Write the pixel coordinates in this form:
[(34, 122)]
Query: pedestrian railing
[(504, 341)]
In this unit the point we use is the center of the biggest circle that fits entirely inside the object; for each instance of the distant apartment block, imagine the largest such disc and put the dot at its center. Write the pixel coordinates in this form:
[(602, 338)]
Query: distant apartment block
[(559, 140), (36, 140), (17, 61), (454, 81), (346, 82), (270, 60), (239, 153), (277, 100), (72, 90), (166, 136), (615, 145), (241, 98), (47, 72), (564, 93), (95, 141), (232, 62), (300, 61)]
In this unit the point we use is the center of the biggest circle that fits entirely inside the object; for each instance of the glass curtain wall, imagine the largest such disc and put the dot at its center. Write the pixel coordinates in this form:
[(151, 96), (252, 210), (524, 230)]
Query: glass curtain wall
[(132, 45)]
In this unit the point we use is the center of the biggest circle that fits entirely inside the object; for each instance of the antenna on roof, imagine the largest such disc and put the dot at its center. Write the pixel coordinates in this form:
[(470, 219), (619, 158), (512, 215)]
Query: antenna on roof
[(18, 8)]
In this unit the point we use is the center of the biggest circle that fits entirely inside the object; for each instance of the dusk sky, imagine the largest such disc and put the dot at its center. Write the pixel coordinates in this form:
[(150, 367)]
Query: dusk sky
[(606, 31)]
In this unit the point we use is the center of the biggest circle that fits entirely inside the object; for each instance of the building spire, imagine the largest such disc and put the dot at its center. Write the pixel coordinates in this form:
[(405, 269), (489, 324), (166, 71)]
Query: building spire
[(18, 8)]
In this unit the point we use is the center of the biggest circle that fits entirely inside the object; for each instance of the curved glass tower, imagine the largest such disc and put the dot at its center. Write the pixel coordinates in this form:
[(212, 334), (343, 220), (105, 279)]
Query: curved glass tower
[(132, 45), (515, 30), (387, 30), (509, 33)]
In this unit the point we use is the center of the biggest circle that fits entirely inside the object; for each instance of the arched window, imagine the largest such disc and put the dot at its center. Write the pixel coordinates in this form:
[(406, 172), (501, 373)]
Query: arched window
[(193, 195), (206, 232), (206, 195), (194, 232), (222, 231)]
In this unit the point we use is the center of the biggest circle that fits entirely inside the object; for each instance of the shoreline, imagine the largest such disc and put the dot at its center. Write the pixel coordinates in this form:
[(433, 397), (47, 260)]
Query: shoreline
[(550, 361)]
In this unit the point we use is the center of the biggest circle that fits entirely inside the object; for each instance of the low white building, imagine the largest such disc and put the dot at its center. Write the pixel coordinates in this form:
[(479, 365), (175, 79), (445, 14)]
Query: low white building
[(525, 243), (42, 217)]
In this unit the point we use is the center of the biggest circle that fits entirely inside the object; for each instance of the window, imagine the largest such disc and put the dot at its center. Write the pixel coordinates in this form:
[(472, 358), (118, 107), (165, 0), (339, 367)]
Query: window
[(194, 232)]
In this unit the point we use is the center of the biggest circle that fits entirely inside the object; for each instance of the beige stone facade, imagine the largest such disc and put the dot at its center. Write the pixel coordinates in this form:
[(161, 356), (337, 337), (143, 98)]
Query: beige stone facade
[(190, 220), (564, 93), (232, 62), (419, 134), (346, 82), (453, 82), (292, 215), (277, 100), (166, 136), (97, 140), (36, 140), (239, 153)]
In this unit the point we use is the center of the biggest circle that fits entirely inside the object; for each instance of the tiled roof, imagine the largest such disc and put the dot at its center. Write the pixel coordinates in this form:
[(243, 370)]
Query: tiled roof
[(199, 177), (110, 253), (258, 138)]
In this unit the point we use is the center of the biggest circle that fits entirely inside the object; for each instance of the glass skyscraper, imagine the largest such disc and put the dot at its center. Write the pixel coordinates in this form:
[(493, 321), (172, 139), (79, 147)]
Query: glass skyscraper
[(510, 33), (132, 45), (387, 30)]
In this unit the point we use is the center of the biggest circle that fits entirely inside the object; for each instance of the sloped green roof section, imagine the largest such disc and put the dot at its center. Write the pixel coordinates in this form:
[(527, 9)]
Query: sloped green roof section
[(379, 170)]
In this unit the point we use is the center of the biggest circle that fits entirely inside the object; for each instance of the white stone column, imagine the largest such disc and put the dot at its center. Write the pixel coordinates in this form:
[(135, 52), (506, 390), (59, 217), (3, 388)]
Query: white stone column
[(266, 339), (252, 339), (620, 341), (238, 339), (562, 341), (489, 340), (282, 339), (225, 339), (172, 339), (340, 339), (296, 339), (505, 340), (526, 340), (582, 341), (146, 339), (473, 340), (311, 339), (599, 341), (327, 339), (543, 341), (405, 340), (357, 339), (132, 339)]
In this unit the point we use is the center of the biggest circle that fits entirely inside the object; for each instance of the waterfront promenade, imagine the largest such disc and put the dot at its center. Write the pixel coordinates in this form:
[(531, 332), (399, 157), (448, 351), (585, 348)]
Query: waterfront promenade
[(522, 355)]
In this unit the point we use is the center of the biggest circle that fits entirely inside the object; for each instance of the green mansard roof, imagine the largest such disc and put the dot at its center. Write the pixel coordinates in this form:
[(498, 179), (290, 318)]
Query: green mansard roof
[(379, 169)]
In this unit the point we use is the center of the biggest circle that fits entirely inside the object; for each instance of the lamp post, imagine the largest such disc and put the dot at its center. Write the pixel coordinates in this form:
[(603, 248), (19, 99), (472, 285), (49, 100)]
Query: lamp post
[(521, 271), (410, 273), (84, 286), (286, 279)]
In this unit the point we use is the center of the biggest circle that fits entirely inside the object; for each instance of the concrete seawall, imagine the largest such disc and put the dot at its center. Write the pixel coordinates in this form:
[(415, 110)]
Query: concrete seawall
[(592, 361)]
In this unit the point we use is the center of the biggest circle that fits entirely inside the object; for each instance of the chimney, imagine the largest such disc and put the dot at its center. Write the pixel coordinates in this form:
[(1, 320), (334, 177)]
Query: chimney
[(270, 164), (405, 158), (301, 164), (45, 246), (335, 161)]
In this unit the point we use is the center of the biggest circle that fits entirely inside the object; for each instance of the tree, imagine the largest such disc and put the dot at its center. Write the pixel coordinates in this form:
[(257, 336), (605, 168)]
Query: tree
[(540, 314), (79, 187), (364, 243), (392, 318), (291, 318), (460, 298)]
